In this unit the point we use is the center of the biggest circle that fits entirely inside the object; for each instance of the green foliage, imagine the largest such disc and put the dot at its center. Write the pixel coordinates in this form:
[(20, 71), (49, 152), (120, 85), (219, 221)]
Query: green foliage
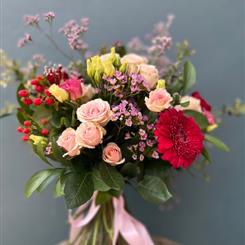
[(206, 155), (216, 142), (40, 180), (102, 197), (79, 189), (99, 183), (111, 176), (200, 119), (39, 150), (153, 189), (130, 170), (189, 76)]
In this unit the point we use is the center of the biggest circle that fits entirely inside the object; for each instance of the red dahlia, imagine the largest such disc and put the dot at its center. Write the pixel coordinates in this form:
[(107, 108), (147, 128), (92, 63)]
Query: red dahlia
[(179, 138)]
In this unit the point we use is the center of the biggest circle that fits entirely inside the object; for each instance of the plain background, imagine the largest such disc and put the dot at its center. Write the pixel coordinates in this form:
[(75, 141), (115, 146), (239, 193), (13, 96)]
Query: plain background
[(206, 213)]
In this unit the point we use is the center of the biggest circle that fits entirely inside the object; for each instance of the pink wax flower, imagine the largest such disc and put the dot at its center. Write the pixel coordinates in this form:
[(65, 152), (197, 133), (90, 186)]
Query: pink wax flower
[(89, 134), (73, 87), (67, 140), (112, 154)]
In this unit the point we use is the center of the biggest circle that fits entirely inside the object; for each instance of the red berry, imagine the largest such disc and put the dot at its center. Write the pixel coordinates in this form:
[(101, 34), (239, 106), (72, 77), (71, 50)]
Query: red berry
[(49, 101), (23, 93), (20, 129), (27, 101), (44, 131), (39, 77), (43, 121), (47, 92), (39, 88), (37, 101), (27, 123), (26, 131), (34, 82), (25, 137)]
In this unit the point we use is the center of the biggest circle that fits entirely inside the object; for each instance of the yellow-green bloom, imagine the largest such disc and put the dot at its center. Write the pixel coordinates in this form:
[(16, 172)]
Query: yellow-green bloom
[(38, 139), (161, 84), (59, 93)]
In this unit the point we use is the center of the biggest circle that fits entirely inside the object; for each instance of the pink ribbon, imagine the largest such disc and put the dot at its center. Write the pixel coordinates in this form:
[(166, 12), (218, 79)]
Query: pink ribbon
[(133, 232)]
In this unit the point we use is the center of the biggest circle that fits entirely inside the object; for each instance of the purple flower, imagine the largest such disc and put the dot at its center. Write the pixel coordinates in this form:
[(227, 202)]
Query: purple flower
[(31, 20), (49, 16)]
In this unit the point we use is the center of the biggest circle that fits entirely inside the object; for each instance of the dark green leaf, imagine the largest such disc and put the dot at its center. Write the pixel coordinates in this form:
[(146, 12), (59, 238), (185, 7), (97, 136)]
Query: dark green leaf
[(99, 184), (189, 76), (216, 142), (153, 189), (39, 150), (130, 170), (111, 176), (79, 189), (36, 180), (102, 197), (200, 119), (206, 155)]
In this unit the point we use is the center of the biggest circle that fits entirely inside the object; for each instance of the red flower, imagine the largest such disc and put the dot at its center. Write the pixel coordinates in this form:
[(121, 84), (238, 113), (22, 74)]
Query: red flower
[(204, 103), (179, 138)]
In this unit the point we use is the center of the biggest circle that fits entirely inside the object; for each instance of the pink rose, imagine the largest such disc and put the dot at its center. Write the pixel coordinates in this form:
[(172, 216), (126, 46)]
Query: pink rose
[(150, 74), (89, 134), (67, 140), (159, 99), (73, 87), (112, 154), (97, 111), (133, 61), (88, 92)]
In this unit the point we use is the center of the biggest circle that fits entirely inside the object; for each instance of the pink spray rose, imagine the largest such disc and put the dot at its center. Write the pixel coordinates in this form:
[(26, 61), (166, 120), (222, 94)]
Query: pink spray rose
[(112, 154), (67, 140), (150, 74), (159, 99), (97, 111), (73, 87), (89, 134), (133, 61)]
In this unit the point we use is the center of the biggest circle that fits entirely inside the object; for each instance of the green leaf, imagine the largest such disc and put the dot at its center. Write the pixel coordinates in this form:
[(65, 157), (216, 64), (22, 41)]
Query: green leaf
[(79, 189), (200, 119), (99, 184), (216, 142), (206, 155), (36, 180), (102, 197), (49, 179), (39, 150), (111, 176), (59, 188), (130, 170), (153, 189), (189, 76)]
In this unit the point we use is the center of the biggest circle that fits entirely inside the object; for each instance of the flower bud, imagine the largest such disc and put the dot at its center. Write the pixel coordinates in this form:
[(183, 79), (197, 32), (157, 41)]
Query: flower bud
[(161, 84)]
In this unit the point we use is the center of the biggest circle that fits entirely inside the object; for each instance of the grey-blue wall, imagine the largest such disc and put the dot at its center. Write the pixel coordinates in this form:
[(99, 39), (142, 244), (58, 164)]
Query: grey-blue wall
[(208, 213)]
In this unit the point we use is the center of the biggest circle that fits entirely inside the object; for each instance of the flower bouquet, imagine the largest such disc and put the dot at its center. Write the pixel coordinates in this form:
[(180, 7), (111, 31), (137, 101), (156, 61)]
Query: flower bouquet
[(121, 116)]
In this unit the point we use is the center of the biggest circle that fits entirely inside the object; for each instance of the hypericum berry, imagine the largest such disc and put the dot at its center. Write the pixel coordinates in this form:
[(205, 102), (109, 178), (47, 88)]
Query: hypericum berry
[(43, 121), (27, 101), (35, 82), (20, 129), (47, 92), (44, 132), (26, 130), (27, 123), (23, 93), (49, 101), (39, 77), (39, 88), (37, 101), (25, 137)]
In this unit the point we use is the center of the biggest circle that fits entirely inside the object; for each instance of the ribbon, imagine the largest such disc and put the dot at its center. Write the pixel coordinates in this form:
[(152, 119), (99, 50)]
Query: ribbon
[(133, 231)]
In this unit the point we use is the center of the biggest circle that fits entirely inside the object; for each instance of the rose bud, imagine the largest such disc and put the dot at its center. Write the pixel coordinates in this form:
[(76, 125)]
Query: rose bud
[(112, 154)]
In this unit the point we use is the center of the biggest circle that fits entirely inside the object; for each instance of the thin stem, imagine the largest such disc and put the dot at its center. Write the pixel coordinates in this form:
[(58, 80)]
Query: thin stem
[(49, 37), (95, 233)]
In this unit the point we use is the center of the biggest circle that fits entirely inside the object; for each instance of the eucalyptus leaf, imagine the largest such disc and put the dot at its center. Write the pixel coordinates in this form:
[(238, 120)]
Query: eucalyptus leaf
[(153, 189), (79, 189), (216, 142), (189, 76)]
